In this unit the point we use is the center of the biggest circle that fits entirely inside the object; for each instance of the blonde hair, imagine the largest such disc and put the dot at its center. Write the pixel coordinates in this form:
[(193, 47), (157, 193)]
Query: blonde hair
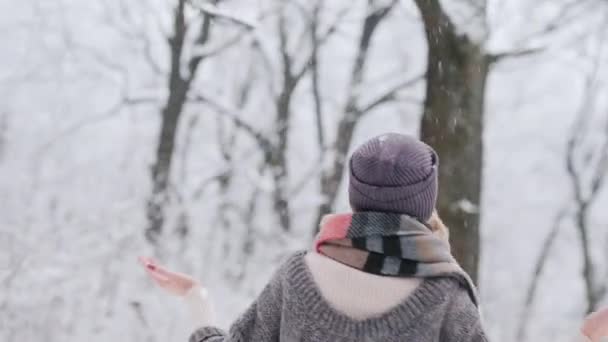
[(438, 227)]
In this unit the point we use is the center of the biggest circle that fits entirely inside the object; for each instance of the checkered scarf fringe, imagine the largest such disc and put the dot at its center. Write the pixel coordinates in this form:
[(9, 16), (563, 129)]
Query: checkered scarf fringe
[(389, 245)]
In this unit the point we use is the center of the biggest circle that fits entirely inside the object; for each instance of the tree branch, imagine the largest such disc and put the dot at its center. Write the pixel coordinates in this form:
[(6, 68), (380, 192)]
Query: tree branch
[(213, 11), (584, 200), (154, 66), (320, 40), (200, 189), (390, 94), (316, 87), (266, 62), (553, 25), (201, 40), (538, 270), (234, 116), (205, 51), (331, 172), (498, 57), (116, 109)]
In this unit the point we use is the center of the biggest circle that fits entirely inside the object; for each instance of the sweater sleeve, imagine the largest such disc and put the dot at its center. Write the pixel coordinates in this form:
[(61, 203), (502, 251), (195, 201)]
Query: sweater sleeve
[(200, 307), (259, 323), (462, 322)]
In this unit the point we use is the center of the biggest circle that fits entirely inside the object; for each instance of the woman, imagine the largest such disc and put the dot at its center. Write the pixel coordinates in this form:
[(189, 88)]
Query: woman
[(381, 273)]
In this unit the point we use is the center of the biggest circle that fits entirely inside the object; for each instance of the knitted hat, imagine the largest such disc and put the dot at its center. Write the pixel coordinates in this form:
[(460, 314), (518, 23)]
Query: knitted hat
[(394, 173)]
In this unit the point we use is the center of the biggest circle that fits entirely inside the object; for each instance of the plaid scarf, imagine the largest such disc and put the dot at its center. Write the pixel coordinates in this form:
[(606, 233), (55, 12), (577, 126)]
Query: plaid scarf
[(389, 245)]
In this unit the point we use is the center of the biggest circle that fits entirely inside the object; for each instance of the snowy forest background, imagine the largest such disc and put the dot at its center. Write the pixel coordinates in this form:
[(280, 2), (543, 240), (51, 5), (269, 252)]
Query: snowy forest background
[(213, 135)]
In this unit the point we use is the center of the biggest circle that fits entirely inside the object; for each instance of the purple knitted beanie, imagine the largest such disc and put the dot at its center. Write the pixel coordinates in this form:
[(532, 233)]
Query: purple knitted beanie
[(394, 173)]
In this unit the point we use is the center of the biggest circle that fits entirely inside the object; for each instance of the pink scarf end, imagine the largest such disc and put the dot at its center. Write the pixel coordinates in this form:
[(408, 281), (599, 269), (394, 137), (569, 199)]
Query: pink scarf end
[(333, 227)]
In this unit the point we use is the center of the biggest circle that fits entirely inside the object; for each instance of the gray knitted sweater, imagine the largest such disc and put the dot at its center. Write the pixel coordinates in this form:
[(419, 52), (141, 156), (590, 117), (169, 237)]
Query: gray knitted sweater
[(291, 308)]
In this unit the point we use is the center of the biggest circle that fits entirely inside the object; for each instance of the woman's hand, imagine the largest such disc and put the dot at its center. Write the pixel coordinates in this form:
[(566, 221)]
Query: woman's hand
[(175, 283), (595, 326)]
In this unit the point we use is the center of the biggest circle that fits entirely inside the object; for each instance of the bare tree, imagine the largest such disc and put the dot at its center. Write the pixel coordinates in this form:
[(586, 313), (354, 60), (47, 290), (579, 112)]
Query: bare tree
[(274, 145), (315, 77), (178, 86), (458, 66), (353, 111), (292, 70), (227, 143), (586, 169), (182, 73), (587, 178), (277, 159), (538, 270), (457, 70)]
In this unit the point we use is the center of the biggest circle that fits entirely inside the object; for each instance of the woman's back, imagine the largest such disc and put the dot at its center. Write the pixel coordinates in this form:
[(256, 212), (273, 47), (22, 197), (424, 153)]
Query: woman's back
[(358, 295), (292, 308)]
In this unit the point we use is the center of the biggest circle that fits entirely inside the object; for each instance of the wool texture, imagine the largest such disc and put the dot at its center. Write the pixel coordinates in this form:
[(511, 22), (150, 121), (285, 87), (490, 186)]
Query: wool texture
[(389, 244), (292, 309), (394, 173)]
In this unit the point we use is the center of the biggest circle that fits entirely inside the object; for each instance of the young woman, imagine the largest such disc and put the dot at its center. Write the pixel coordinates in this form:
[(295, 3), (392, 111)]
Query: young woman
[(381, 273)]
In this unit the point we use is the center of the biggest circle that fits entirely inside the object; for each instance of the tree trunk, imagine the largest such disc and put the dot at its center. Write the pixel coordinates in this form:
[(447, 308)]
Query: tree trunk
[(452, 123), (164, 156), (278, 162), (591, 293), (178, 86), (170, 118), (331, 179)]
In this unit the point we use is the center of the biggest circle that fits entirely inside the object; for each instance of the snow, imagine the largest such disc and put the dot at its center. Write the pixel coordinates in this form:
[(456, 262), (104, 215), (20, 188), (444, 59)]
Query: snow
[(467, 206)]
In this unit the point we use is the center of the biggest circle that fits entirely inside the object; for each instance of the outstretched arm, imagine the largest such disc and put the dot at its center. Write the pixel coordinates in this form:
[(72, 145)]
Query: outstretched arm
[(260, 322), (183, 285)]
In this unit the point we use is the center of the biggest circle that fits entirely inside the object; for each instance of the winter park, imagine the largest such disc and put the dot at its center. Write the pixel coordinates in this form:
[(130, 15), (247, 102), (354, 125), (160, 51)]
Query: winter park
[(314, 171)]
